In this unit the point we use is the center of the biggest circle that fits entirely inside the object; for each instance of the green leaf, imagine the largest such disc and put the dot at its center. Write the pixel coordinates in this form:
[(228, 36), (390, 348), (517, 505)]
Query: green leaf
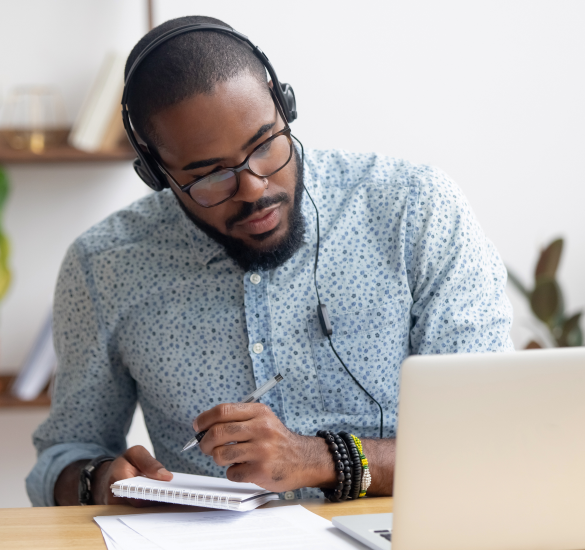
[(517, 283), (5, 275), (571, 332), (4, 187), (545, 300), (549, 261), (575, 337)]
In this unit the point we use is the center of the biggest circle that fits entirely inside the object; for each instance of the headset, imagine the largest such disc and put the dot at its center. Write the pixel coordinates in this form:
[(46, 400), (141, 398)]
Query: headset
[(148, 171), (145, 166)]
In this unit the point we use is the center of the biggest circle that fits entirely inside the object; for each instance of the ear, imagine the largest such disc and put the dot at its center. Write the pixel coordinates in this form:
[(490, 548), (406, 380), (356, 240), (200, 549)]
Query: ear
[(270, 85)]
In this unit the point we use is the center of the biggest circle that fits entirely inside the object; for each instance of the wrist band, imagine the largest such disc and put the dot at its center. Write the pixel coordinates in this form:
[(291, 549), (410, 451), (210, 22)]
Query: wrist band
[(357, 465), (366, 475), (86, 479), (343, 466)]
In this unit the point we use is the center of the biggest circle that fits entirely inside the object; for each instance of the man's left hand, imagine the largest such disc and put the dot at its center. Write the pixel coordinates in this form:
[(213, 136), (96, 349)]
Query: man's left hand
[(264, 452)]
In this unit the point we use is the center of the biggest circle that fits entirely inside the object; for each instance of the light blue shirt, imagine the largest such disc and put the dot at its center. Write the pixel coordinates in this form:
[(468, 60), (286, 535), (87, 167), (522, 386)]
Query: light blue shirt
[(149, 308)]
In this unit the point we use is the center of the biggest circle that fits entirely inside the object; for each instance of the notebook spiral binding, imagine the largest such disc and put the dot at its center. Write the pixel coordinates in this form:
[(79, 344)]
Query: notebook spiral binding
[(175, 496)]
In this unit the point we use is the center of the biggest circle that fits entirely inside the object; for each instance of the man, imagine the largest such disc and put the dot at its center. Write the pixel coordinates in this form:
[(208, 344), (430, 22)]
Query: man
[(191, 298)]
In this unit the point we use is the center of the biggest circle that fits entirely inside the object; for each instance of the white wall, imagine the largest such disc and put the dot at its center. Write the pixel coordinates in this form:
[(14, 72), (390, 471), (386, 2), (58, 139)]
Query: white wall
[(491, 92)]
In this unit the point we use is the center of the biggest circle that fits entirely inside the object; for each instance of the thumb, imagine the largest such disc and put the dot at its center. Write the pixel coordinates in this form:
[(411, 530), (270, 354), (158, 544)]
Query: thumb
[(146, 464)]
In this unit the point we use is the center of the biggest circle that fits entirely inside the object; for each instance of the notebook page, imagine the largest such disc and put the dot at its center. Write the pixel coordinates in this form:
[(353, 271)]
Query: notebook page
[(189, 482), (284, 528)]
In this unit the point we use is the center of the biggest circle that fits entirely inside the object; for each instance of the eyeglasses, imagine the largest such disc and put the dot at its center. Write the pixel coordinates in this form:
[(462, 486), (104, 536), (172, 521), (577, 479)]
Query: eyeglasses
[(264, 161)]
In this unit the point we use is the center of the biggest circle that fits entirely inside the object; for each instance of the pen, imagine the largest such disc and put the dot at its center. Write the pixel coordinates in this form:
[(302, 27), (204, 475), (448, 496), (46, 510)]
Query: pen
[(254, 396)]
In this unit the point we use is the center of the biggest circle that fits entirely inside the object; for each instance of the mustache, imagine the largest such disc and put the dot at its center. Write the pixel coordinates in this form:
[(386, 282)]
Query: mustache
[(249, 208)]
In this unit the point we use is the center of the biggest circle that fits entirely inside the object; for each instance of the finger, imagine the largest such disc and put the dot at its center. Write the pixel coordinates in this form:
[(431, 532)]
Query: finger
[(146, 464), (122, 469), (228, 412), (234, 454), (118, 469), (224, 434), (242, 473)]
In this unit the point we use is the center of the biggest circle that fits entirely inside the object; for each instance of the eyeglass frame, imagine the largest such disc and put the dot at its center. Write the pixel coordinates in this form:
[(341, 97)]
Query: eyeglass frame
[(240, 167)]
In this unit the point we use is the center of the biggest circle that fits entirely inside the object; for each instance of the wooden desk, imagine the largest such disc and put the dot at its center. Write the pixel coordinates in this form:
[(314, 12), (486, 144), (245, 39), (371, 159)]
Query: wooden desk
[(73, 526)]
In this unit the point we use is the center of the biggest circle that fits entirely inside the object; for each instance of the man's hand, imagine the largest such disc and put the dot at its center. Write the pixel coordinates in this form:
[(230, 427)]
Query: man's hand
[(265, 451), (136, 461)]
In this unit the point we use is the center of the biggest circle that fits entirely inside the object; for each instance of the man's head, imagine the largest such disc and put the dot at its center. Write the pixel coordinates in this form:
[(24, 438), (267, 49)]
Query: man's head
[(201, 102)]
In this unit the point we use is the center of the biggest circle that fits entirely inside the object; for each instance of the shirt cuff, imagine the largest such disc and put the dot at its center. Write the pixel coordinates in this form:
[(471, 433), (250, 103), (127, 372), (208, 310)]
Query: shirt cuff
[(40, 483)]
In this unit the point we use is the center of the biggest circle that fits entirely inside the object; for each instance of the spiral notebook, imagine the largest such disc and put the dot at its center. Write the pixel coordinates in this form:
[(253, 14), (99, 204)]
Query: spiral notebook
[(208, 492)]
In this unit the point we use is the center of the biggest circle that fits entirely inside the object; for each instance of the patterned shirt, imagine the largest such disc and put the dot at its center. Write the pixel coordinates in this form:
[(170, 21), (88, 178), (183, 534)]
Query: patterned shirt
[(148, 308)]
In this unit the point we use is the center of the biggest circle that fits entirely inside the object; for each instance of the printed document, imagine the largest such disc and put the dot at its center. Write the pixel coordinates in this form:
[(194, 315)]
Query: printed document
[(286, 527)]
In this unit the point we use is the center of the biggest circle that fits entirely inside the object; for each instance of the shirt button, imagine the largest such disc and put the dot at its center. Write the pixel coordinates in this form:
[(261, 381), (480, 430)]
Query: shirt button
[(255, 278), (258, 348), (289, 495)]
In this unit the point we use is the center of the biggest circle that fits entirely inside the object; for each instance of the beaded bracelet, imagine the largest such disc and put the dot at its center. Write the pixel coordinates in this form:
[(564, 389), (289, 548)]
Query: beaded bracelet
[(348, 468), (366, 475), (357, 469), (343, 466)]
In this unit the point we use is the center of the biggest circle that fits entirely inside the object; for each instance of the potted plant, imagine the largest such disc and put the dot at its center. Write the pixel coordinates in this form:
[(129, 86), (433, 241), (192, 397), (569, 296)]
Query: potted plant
[(4, 244), (546, 300)]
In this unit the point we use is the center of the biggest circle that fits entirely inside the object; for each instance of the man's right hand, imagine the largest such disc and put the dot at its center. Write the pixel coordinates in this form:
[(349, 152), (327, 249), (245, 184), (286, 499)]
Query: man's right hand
[(136, 461)]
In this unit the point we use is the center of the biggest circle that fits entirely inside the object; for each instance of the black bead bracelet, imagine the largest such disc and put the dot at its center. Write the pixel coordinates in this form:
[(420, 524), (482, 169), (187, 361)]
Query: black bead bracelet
[(348, 468), (343, 466), (357, 464)]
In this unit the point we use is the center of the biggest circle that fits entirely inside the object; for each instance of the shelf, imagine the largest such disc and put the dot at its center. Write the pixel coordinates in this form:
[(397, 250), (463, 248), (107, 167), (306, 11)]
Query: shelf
[(62, 153), (7, 400)]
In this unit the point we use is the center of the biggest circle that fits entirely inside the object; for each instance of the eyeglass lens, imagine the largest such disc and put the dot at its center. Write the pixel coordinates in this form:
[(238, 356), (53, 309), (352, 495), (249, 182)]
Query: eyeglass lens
[(269, 158)]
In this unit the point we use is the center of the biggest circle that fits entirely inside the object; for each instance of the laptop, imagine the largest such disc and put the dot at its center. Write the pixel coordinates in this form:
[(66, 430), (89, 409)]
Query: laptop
[(373, 530), (490, 454)]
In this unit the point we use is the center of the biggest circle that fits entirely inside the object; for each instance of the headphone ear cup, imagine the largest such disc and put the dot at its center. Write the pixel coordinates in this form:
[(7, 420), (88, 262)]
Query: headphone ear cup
[(290, 102), (150, 174)]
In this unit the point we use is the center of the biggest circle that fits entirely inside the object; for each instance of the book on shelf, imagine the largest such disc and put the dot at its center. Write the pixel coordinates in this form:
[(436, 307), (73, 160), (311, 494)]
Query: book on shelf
[(39, 366), (98, 126)]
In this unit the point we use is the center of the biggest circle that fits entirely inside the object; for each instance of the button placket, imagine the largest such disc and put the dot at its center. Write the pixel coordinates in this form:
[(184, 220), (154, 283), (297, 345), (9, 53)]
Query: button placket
[(257, 324)]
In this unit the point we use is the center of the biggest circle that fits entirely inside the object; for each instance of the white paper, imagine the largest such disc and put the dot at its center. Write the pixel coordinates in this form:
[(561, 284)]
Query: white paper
[(281, 528), (110, 544), (118, 536)]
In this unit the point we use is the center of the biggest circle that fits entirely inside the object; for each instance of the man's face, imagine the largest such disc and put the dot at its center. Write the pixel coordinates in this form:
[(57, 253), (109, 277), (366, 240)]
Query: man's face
[(207, 132)]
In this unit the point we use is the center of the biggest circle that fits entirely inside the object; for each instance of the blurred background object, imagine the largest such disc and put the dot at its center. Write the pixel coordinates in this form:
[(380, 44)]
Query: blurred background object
[(38, 369), (548, 304), (98, 125), (34, 119), (5, 273)]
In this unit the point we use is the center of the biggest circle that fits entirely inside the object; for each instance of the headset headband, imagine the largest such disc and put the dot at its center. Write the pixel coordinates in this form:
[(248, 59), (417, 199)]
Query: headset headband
[(209, 27), (145, 166)]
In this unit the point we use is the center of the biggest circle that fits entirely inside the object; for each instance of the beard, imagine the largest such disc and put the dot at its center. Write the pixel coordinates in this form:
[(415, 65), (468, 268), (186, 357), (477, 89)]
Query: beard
[(252, 259)]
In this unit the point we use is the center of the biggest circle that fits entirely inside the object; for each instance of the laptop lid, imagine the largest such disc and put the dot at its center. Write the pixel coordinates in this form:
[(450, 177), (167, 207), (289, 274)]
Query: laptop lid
[(491, 452)]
